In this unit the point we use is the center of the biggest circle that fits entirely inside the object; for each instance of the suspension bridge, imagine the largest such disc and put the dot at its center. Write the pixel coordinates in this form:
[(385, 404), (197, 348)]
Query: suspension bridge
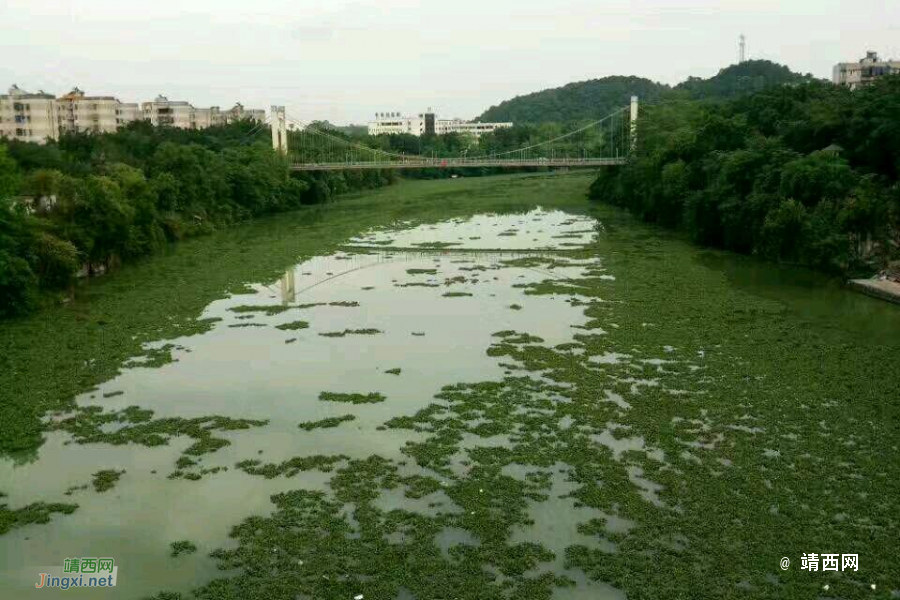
[(604, 142)]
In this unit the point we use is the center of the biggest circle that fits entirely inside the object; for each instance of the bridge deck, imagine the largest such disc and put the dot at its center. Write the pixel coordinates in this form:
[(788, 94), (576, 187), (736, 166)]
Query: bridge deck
[(459, 163)]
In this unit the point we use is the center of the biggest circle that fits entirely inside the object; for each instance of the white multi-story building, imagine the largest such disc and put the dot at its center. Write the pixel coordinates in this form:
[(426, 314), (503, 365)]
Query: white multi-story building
[(239, 113), (28, 117), (39, 117), (468, 127), (865, 71), (427, 124), (171, 113), (163, 112), (128, 112), (78, 113)]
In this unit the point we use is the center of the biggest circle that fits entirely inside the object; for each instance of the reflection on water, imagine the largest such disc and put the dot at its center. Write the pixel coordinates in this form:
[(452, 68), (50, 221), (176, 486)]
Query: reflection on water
[(397, 296)]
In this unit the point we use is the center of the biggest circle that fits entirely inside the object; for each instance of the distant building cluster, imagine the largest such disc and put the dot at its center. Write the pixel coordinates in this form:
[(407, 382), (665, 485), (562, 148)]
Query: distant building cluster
[(37, 117), (428, 124), (865, 71)]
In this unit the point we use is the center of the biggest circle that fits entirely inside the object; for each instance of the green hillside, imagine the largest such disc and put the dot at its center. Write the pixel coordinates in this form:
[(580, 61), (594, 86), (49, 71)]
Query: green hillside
[(575, 101), (597, 97), (741, 79)]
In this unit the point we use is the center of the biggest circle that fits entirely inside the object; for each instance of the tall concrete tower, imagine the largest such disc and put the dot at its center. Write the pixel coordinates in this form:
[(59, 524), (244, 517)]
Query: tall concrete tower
[(279, 129)]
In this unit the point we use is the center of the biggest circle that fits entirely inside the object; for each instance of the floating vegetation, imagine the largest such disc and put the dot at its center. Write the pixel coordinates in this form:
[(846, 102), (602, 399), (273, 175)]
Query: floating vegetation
[(423, 285), (182, 547), (106, 480), (133, 425), (75, 488), (345, 303), (293, 326), (436, 245), (515, 307), (113, 394), (269, 310), (326, 423), (370, 398), (291, 467), (421, 271), (346, 332), (290, 341), (241, 325), (154, 358), (396, 371), (418, 333), (456, 295), (37, 512)]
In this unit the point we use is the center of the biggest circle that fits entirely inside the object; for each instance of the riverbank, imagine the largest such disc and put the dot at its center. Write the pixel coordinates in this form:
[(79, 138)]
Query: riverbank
[(878, 288)]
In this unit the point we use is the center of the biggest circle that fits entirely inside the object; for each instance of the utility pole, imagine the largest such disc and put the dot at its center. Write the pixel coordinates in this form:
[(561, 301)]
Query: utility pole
[(742, 56)]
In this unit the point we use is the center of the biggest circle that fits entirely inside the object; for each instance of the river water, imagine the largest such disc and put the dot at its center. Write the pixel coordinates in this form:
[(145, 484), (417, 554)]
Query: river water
[(435, 310), (624, 391)]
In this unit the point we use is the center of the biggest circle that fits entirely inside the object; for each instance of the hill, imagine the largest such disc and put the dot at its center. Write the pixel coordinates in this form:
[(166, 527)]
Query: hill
[(575, 101), (597, 97), (741, 79)]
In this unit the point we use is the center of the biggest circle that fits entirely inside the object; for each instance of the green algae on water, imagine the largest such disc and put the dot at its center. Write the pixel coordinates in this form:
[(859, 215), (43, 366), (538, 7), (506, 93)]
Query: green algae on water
[(182, 547), (326, 423), (106, 480), (293, 326), (370, 398)]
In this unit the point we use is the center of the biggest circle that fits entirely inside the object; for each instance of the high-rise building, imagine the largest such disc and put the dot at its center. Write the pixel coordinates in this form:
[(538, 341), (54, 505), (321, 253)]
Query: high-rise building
[(865, 71)]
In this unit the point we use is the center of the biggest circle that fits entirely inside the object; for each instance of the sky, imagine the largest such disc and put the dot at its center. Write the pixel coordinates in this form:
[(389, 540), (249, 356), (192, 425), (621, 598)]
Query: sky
[(345, 60)]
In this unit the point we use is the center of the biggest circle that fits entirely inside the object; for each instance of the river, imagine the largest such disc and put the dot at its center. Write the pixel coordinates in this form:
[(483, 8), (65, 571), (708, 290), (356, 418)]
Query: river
[(459, 389)]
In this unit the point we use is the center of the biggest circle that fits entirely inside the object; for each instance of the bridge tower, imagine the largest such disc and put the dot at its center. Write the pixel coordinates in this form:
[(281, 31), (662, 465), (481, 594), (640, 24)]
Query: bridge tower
[(279, 129), (633, 122)]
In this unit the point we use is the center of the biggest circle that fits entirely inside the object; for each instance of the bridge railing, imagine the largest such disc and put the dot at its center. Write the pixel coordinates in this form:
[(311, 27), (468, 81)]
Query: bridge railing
[(448, 163)]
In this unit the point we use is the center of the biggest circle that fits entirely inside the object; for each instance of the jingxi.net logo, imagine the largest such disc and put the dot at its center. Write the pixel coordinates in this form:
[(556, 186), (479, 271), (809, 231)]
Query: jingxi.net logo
[(80, 572)]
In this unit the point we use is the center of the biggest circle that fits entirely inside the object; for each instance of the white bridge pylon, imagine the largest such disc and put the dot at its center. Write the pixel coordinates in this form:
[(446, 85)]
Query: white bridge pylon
[(607, 141)]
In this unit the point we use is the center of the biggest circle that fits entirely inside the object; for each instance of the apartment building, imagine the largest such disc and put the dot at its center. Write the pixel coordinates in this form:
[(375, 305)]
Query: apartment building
[(38, 117), (28, 117), (865, 71), (170, 113), (239, 113), (78, 113), (426, 124), (163, 112), (127, 112)]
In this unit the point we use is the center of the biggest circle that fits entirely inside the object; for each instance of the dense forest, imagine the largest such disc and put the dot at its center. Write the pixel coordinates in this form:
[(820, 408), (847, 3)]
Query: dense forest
[(590, 100), (804, 173), (88, 202), (585, 100)]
